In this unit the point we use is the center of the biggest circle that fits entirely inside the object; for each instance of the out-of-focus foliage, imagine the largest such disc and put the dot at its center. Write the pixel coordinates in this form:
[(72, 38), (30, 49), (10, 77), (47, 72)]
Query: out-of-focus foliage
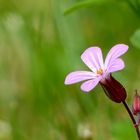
[(135, 39), (39, 46), (83, 4)]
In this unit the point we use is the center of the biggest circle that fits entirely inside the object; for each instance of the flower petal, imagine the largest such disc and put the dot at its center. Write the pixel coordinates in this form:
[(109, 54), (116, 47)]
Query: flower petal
[(117, 65), (89, 85), (93, 58), (114, 53), (78, 76)]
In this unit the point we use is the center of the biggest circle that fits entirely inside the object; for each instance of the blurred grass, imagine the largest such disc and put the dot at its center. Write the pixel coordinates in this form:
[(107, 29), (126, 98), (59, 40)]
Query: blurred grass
[(38, 47)]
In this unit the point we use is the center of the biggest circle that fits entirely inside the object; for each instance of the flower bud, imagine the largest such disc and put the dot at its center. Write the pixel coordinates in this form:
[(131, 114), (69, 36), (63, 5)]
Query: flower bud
[(136, 104), (113, 89)]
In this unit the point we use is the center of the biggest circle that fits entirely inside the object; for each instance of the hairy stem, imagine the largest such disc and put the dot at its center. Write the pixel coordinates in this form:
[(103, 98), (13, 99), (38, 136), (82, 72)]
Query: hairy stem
[(132, 118)]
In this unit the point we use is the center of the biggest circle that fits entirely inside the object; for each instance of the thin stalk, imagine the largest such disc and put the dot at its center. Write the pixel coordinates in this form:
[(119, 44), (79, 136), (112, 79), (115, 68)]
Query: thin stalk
[(132, 118)]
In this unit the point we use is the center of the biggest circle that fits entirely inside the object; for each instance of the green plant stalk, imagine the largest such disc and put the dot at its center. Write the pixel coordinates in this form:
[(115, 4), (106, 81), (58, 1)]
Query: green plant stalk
[(83, 4)]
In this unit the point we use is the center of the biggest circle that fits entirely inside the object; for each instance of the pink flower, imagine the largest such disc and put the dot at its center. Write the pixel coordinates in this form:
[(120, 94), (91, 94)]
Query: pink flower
[(136, 104), (136, 107), (100, 70)]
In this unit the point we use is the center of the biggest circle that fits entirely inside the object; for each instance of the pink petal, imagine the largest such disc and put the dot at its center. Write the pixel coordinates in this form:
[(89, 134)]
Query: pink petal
[(78, 76), (114, 53), (93, 58), (89, 85), (117, 65)]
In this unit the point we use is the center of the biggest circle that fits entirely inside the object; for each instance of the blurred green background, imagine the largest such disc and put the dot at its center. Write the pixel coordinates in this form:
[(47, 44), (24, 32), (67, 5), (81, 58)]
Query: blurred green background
[(40, 43)]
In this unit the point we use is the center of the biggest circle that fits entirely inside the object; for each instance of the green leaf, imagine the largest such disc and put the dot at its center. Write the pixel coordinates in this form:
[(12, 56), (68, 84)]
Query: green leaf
[(135, 39), (83, 4)]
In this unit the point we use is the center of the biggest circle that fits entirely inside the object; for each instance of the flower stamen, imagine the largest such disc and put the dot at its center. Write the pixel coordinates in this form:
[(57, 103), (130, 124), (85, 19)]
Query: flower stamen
[(100, 71)]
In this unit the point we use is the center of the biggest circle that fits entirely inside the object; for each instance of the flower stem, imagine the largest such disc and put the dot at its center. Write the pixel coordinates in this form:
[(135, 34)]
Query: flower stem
[(132, 118)]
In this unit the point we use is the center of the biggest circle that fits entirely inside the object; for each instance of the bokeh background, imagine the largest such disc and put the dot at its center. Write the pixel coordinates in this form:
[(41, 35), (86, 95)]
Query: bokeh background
[(40, 43)]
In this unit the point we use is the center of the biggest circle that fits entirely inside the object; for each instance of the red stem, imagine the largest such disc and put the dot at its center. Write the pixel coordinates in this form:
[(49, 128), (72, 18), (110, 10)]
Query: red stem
[(132, 118)]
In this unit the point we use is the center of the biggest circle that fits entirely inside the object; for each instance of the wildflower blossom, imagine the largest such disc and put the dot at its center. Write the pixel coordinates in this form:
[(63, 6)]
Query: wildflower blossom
[(101, 71), (136, 107), (136, 104), (93, 58)]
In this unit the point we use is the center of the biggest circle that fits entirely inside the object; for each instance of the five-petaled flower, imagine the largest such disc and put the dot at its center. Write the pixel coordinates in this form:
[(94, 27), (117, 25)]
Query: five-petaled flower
[(93, 58)]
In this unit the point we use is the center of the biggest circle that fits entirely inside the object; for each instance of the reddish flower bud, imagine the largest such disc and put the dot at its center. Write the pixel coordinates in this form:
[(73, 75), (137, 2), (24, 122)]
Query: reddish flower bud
[(113, 89), (136, 104)]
